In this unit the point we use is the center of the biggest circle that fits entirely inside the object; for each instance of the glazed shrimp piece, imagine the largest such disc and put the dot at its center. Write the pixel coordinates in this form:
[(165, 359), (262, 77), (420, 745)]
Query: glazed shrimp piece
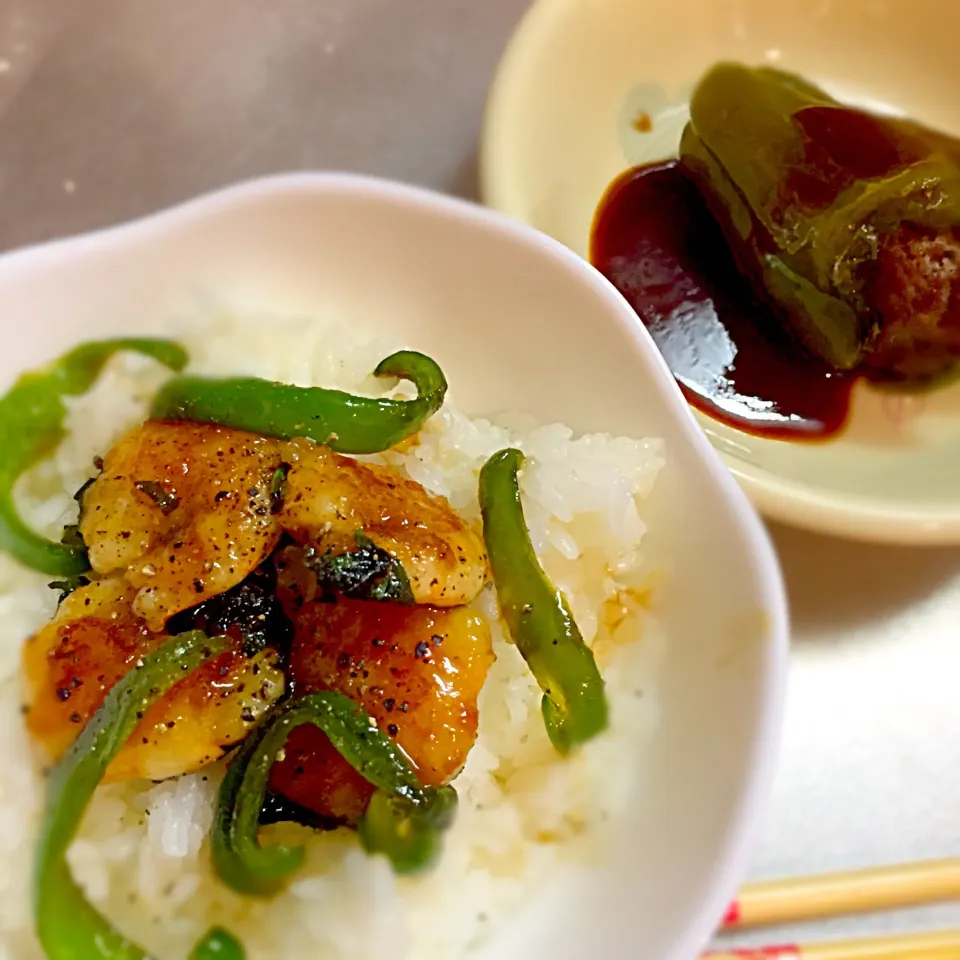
[(71, 663), (417, 671), (328, 498), (184, 509)]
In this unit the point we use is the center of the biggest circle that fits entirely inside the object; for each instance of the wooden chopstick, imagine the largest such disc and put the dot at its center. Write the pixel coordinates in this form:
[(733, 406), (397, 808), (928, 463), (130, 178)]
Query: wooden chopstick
[(854, 891), (938, 945)]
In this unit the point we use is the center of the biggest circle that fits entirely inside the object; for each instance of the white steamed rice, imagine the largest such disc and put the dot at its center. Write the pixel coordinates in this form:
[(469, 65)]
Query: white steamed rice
[(525, 814)]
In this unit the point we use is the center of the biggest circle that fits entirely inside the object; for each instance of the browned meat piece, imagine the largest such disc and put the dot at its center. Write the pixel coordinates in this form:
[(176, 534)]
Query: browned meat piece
[(416, 670), (913, 288)]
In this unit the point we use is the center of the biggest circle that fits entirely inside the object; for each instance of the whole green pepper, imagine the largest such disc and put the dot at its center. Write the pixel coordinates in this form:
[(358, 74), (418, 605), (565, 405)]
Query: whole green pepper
[(810, 193), (68, 927), (344, 422), (31, 425), (537, 613), (407, 834)]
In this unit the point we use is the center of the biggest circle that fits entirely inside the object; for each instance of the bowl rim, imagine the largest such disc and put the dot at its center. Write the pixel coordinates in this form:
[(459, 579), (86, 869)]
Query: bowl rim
[(867, 519), (754, 790), (863, 517)]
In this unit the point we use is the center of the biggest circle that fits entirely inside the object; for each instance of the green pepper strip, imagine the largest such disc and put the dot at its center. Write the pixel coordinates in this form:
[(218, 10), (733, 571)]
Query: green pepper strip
[(218, 944), (68, 926), (31, 426), (340, 420), (406, 832), (537, 613)]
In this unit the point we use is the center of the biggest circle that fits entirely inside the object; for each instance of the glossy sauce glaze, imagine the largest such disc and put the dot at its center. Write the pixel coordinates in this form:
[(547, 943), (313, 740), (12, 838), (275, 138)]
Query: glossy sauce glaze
[(654, 238)]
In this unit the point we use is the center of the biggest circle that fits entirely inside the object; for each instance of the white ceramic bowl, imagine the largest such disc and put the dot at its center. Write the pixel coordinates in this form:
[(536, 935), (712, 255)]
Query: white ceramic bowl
[(560, 127), (518, 322)]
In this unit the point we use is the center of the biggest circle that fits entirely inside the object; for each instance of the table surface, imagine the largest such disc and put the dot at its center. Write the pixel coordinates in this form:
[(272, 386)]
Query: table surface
[(113, 108)]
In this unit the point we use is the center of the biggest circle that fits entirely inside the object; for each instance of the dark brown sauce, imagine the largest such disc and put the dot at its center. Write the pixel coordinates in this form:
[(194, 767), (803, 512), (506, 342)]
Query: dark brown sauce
[(655, 240)]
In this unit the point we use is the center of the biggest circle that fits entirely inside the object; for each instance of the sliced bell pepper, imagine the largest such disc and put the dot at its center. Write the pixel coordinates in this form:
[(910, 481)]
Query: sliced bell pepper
[(403, 820), (537, 613), (68, 926), (342, 421), (31, 425)]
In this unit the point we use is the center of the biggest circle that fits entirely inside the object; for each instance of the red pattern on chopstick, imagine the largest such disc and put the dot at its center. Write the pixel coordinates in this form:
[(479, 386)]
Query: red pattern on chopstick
[(732, 917), (784, 951)]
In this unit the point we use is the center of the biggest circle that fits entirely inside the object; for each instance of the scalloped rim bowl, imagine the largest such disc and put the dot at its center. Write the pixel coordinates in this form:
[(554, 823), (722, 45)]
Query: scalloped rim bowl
[(560, 127), (518, 322)]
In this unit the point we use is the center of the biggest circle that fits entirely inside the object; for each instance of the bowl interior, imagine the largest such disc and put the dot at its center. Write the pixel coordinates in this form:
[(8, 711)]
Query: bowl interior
[(518, 323), (561, 126)]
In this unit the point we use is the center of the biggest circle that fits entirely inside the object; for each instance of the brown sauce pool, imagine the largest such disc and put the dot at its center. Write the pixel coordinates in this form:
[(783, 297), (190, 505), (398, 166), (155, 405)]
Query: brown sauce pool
[(655, 240)]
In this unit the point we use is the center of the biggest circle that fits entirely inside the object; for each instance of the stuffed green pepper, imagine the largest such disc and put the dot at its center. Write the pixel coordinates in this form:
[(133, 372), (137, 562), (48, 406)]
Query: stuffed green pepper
[(847, 222)]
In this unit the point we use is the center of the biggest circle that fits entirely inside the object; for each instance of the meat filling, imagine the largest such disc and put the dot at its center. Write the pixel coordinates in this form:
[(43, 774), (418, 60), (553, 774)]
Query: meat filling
[(913, 290)]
